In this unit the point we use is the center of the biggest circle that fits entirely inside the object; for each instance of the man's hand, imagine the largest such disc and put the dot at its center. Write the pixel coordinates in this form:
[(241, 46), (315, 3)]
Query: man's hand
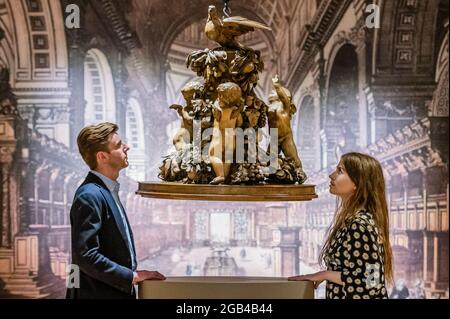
[(142, 275)]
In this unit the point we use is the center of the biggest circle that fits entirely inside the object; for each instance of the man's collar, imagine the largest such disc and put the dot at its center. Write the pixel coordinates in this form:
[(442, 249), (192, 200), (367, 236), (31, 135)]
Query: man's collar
[(113, 186)]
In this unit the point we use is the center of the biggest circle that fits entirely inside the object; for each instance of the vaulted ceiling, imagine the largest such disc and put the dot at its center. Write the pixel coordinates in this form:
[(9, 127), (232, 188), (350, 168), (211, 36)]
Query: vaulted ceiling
[(159, 22), (170, 29)]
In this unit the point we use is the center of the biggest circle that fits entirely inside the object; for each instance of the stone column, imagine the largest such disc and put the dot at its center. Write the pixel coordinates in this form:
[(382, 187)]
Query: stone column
[(53, 178), (27, 207), (77, 103), (9, 177), (319, 92), (67, 182), (188, 226), (9, 122), (440, 262), (6, 197), (232, 230), (363, 69), (77, 55), (427, 256), (252, 230), (208, 227), (156, 117), (122, 92)]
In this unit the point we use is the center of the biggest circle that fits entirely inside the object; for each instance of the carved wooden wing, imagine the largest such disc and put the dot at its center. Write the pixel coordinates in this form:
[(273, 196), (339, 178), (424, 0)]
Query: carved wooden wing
[(236, 26)]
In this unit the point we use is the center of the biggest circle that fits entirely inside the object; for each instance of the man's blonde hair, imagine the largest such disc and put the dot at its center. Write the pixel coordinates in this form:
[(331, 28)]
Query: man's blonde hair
[(93, 139)]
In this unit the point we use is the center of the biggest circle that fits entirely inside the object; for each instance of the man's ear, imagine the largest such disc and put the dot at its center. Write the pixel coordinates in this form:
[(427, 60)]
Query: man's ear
[(101, 157)]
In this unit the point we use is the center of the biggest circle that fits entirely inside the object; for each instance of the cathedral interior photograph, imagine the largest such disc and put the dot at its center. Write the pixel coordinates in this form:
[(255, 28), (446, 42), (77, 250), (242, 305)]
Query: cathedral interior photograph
[(249, 149)]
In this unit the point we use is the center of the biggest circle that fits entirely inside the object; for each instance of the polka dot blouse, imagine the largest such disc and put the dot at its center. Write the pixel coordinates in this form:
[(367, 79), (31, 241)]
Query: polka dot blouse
[(357, 253)]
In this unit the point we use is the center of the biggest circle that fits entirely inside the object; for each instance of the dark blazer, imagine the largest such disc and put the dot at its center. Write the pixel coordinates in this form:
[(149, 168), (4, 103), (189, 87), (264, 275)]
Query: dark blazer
[(99, 244)]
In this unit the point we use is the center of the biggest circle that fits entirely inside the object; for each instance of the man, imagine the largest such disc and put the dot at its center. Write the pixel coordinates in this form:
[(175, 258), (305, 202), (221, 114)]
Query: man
[(102, 240)]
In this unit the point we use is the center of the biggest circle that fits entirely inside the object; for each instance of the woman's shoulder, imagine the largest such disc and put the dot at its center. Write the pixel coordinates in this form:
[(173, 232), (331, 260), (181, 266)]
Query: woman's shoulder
[(364, 216), (362, 219)]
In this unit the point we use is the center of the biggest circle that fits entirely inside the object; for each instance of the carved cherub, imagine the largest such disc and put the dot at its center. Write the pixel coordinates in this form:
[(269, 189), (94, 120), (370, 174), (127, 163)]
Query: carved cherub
[(191, 93), (281, 110), (227, 115)]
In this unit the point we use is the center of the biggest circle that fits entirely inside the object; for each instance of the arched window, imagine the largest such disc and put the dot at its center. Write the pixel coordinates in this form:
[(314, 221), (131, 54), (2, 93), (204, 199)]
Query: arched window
[(98, 89), (342, 118)]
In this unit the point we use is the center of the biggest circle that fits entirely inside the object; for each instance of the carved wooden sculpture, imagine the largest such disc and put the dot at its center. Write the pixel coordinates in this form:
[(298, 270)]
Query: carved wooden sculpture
[(226, 99), (191, 93)]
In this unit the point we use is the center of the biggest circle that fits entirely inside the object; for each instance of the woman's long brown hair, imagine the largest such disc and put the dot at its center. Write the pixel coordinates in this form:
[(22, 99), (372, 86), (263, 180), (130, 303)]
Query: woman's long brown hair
[(367, 175)]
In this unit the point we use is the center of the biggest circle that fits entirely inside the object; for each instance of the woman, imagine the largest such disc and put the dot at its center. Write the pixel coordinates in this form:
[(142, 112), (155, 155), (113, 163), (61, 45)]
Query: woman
[(357, 253)]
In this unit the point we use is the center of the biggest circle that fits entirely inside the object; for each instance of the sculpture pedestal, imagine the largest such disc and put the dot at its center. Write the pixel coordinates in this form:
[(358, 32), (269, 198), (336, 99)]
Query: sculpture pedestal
[(226, 288), (250, 193), (233, 287)]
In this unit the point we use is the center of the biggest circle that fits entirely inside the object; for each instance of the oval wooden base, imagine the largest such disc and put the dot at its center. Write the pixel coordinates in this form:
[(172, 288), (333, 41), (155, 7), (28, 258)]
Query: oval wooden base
[(244, 193)]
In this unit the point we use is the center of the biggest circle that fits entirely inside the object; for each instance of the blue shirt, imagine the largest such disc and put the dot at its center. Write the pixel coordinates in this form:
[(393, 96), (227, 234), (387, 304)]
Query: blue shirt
[(113, 187)]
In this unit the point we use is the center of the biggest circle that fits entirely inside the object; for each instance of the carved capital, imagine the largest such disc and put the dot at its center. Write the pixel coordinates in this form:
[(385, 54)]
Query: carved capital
[(312, 90), (357, 36)]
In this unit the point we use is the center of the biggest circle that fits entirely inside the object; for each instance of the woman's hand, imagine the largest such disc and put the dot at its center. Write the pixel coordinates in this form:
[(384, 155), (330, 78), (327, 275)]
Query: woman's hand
[(316, 278), (319, 277)]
